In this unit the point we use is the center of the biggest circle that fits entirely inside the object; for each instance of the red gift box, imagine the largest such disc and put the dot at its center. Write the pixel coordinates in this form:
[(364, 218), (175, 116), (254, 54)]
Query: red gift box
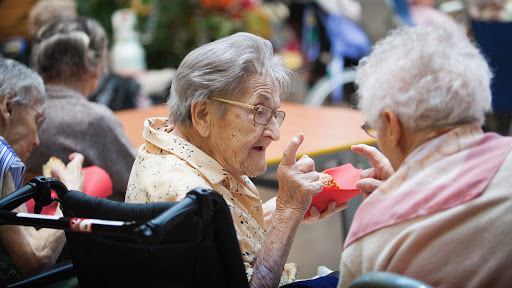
[(346, 176)]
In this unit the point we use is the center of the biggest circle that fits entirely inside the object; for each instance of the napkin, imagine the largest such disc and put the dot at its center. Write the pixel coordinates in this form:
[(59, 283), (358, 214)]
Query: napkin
[(346, 176)]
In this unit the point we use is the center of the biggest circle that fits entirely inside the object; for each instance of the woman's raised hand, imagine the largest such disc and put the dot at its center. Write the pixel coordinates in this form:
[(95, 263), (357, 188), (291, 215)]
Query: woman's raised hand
[(298, 180), (371, 178)]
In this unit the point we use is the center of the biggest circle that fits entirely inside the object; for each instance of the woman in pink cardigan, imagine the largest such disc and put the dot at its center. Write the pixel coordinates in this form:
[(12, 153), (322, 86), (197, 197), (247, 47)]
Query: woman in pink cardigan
[(438, 198)]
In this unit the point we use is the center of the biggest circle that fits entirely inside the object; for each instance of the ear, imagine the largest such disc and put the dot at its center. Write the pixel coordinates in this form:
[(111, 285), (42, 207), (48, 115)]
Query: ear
[(201, 117), (6, 106), (394, 128)]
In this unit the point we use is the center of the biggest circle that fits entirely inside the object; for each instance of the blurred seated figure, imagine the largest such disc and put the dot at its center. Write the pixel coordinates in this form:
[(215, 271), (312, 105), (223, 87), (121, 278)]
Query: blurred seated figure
[(115, 91), (45, 11), (491, 27), (22, 98), (490, 10), (424, 12), (70, 55), (438, 197), (20, 20), (224, 113)]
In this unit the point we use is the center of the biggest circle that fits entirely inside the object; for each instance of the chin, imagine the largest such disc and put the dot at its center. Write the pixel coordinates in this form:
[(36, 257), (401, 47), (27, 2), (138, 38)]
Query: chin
[(257, 171)]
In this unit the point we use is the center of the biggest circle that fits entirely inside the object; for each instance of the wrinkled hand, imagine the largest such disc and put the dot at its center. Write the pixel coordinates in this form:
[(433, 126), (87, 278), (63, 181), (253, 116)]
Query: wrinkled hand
[(298, 180), (72, 175), (371, 178), (315, 215)]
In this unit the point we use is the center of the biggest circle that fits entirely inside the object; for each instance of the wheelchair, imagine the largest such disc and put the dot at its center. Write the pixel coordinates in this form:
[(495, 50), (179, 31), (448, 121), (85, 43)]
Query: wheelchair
[(191, 243)]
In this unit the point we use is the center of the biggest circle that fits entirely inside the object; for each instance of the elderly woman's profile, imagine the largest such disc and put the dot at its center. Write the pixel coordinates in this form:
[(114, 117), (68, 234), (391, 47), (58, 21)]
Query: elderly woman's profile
[(224, 113), (438, 199), (23, 249)]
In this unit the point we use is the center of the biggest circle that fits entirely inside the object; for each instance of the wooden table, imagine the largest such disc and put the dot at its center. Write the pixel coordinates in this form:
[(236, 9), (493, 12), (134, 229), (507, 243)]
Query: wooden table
[(327, 130)]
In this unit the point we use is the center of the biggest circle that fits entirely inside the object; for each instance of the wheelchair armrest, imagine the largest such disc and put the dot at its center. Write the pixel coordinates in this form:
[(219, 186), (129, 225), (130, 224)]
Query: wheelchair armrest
[(50, 275)]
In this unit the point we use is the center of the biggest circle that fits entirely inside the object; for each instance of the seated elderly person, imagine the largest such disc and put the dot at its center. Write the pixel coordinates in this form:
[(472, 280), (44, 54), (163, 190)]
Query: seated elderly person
[(70, 54), (440, 210), (25, 249), (224, 113)]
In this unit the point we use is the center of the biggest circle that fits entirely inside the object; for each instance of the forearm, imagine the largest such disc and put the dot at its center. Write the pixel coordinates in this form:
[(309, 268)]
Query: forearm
[(32, 249), (272, 256)]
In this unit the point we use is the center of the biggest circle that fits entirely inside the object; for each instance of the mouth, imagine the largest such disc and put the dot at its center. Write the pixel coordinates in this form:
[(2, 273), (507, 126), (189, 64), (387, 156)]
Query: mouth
[(259, 148)]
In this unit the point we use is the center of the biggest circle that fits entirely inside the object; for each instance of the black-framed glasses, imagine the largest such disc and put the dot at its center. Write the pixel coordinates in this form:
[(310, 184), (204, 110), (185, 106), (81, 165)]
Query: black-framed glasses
[(262, 114), (372, 132), (41, 118)]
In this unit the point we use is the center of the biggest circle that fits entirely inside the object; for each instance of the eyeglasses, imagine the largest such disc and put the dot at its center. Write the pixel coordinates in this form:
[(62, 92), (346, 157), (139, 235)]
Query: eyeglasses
[(41, 118), (262, 114), (372, 132)]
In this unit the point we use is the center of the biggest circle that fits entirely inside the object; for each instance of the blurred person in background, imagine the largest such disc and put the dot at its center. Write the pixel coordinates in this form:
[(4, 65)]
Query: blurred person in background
[(70, 54)]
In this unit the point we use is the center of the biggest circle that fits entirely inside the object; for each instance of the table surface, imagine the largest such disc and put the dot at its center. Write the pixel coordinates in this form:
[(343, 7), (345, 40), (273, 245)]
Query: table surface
[(327, 130)]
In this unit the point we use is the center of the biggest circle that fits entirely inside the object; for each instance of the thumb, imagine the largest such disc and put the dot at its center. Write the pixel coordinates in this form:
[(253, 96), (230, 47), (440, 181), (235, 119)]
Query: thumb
[(290, 152)]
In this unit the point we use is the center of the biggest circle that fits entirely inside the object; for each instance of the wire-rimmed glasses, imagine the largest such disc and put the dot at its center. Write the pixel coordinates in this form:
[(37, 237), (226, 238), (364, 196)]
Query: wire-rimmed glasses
[(39, 115), (372, 132), (262, 114)]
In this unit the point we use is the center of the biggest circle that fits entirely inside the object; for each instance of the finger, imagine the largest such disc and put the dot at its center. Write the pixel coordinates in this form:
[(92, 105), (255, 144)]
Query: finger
[(367, 173), (57, 172), (306, 164), (290, 152), (304, 157), (316, 187), (377, 159), (368, 185), (331, 208), (73, 155), (314, 214), (76, 159), (341, 206)]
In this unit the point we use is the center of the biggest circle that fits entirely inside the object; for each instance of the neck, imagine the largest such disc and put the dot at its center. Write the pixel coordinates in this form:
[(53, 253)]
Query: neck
[(418, 138), (83, 87), (190, 134)]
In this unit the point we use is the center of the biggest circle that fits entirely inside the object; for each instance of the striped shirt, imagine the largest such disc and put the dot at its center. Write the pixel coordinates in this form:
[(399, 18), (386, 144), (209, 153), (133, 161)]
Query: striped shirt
[(10, 161)]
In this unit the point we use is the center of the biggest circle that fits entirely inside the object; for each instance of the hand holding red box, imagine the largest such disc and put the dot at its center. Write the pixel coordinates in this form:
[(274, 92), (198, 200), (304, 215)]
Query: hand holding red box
[(346, 176)]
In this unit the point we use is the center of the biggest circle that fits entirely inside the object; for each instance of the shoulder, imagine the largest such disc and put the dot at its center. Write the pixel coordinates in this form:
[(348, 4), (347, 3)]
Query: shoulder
[(156, 178)]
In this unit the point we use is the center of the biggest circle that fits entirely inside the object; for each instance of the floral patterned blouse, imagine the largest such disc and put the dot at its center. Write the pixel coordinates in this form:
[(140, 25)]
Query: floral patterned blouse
[(167, 167)]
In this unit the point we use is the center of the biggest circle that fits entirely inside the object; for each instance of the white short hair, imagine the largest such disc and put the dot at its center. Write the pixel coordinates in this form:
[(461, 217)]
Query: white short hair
[(26, 85), (430, 77)]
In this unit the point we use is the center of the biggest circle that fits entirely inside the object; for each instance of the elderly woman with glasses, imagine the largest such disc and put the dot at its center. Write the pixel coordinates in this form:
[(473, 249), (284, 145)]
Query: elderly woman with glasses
[(438, 199), (224, 113)]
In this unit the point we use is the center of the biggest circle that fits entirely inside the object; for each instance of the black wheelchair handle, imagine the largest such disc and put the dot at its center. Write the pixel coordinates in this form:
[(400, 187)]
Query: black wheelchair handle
[(38, 188)]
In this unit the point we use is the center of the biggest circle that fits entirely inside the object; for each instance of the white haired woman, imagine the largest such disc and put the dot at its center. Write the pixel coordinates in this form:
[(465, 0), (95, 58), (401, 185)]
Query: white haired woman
[(224, 113), (438, 197), (23, 249), (70, 54)]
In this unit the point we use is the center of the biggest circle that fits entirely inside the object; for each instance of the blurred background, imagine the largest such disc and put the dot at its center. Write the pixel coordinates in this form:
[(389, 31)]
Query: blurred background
[(322, 40)]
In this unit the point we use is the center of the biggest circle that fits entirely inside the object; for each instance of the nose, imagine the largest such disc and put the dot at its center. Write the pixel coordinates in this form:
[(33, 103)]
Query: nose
[(272, 130)]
